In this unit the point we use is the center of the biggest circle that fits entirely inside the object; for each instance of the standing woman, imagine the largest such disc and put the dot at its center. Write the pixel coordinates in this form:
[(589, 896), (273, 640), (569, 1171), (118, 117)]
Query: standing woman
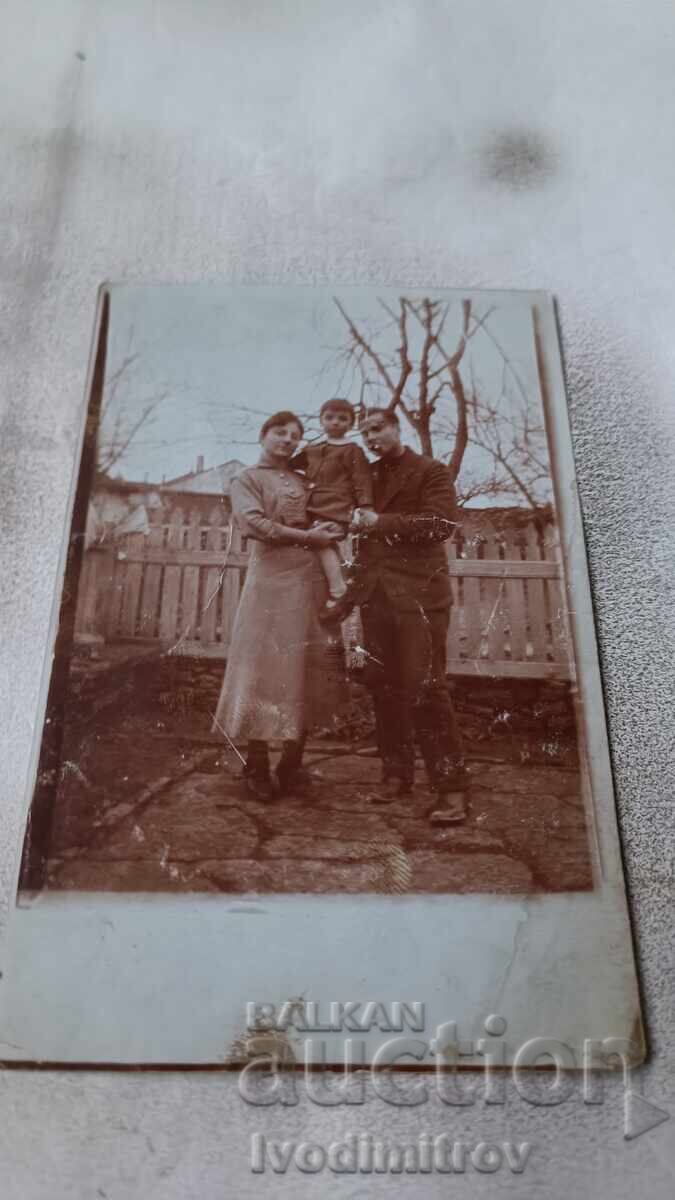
[(283, 669)]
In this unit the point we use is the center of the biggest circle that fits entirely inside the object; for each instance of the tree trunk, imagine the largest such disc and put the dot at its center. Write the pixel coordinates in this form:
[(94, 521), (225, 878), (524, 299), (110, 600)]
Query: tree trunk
[(424, 436)]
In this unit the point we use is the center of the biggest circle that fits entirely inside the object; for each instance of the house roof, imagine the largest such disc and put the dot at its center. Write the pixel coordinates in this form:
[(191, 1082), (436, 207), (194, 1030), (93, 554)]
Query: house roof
[(211, 481), (106, 483)]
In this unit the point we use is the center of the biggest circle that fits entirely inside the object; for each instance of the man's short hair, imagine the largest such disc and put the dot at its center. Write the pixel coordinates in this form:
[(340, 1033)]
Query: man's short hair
[(281, 418), (338, 404), (389, 414)]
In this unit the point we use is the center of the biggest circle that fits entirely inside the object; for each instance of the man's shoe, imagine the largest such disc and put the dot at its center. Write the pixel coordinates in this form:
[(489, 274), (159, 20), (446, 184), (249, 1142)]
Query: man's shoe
[(390, 790), (449, 777), (336, 611), (452, 809)]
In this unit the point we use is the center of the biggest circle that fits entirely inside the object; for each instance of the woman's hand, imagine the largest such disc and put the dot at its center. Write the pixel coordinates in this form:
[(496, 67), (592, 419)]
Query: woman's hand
[(324, 534)]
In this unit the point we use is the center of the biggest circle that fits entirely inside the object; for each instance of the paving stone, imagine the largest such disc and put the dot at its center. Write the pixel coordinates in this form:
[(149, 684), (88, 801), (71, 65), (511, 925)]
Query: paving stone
[(125, 875), (288, 846), (525, 831), (352, 826), (344, 769), (460, 838), (574, 799), (541, 830), (429, 872), (368, 803), (533, 780), (562, 872), (571, 821), (517, 811), (293, 876), (440, 871), (192, 797), (172, 832), (116, 812)]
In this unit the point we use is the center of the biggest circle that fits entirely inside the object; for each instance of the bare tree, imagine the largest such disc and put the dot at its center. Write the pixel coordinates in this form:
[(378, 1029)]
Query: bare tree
[(417, 376), (416, 383), (117, 426)]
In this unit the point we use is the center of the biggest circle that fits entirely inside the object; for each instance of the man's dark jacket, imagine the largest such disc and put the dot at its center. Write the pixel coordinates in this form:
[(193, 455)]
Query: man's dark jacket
[(404, 553)]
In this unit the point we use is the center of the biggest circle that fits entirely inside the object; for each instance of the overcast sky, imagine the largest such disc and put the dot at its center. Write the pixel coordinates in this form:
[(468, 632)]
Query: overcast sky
[(222, 357)]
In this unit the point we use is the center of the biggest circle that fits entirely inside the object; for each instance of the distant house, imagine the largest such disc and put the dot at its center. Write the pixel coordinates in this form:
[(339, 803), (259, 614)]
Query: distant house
[(214, 481), (121, 506)]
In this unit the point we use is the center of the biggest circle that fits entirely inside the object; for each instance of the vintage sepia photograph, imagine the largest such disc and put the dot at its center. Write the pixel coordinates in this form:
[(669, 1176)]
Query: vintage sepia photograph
[(337, 504), (314, 634)]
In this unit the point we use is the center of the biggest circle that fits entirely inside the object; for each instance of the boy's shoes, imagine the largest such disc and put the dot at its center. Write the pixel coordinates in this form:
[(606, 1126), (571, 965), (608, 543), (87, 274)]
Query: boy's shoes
[(336, 610)]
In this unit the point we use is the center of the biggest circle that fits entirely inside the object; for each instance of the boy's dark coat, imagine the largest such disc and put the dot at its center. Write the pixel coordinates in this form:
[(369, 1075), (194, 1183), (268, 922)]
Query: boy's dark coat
[(339, 479)]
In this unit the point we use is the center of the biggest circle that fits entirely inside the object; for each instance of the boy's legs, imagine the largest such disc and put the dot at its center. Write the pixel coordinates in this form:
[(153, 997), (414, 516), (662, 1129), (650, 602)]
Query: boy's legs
[(332, 569), (339, 603)]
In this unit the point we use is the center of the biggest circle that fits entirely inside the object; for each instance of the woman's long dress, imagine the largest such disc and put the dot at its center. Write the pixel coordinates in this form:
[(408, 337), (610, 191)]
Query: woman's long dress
[(285, 671)]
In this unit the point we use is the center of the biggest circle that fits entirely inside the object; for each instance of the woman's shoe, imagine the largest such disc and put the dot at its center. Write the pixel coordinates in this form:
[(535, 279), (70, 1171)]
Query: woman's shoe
[(294, 781), (259, 787)]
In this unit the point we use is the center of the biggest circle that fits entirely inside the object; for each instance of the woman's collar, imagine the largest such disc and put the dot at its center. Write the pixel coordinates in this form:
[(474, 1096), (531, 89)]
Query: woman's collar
[(272, 464)]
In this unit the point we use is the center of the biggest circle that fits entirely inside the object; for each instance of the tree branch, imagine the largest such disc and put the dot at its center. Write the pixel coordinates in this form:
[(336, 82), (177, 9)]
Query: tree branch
[(462, 431), (359, 340), (481, 323)]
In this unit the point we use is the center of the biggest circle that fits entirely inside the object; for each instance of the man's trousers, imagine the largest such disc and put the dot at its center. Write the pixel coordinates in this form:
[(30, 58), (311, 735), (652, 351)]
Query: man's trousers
[(406, 671)]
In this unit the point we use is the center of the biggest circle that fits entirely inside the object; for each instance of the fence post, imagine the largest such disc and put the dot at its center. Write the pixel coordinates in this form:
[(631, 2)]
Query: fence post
[(92, 596)]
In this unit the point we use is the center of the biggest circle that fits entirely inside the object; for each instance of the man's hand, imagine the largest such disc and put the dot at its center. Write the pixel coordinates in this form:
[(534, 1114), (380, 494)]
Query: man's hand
[(363, 519)]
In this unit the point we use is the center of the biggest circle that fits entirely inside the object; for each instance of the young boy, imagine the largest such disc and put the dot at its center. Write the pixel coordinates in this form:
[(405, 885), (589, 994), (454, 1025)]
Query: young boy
[(339, 477)]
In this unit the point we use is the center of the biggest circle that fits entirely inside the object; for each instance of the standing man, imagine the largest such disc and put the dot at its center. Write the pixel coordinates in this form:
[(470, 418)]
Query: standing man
[(403, 589)]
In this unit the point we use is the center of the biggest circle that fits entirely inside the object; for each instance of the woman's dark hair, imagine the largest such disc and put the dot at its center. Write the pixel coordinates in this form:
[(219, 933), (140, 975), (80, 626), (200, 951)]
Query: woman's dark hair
[(339, 405), (281, 418)]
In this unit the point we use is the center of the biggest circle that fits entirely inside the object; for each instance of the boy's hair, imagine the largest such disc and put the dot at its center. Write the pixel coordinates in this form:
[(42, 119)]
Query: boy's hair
[(281, 418), (390, 416), (341, 406)]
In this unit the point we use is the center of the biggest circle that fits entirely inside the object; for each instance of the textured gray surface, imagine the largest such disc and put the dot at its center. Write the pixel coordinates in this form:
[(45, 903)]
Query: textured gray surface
[(440, 143)]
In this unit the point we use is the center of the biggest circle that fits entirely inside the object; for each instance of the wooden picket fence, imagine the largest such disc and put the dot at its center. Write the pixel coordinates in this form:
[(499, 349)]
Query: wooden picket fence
[(509, 615), (178, 587), (170, 585)]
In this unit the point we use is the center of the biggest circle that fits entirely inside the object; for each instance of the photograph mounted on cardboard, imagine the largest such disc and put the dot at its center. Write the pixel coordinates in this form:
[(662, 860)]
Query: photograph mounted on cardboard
[(325, 646), (330, 654)]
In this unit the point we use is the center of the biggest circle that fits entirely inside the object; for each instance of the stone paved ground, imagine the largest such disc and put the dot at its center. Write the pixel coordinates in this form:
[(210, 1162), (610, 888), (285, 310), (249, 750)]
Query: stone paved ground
[(192, 829)]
